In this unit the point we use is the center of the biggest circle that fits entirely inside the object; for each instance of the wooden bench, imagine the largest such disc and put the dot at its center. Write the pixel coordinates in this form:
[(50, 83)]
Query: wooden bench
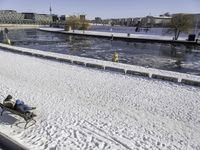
[(27, 116)]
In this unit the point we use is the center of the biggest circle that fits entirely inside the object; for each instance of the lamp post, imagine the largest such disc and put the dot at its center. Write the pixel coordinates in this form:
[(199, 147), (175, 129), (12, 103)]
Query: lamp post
[(196, 27)]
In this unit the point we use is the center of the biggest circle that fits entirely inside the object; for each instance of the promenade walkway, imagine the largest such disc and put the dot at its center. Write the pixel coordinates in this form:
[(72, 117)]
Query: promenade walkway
[(123, 36)]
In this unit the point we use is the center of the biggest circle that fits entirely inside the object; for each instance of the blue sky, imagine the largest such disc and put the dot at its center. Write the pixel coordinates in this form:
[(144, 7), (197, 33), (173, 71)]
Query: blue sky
[(104, 8)]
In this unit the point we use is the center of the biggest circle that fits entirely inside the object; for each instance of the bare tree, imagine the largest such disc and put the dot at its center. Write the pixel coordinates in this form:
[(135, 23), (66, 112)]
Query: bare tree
[(75, 23), (180, 23)]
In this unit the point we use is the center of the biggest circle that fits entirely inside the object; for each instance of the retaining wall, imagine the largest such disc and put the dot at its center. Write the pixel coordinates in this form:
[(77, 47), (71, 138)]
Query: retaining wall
[(165, 78), (108, 66), (190, 82)]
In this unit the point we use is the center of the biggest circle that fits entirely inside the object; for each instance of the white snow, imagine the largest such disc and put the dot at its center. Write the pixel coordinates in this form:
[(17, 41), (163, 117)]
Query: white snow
[(108, 34), (52, 29), (81, 108)]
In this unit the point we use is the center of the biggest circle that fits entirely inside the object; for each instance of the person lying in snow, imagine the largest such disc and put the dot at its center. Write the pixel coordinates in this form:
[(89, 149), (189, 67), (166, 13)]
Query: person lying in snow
[(17, 105), (8, 102)]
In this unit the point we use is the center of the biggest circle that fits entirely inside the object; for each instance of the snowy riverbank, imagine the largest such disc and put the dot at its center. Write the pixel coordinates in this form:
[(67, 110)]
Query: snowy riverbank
[(124, 36), (109, 34), (81, 108)]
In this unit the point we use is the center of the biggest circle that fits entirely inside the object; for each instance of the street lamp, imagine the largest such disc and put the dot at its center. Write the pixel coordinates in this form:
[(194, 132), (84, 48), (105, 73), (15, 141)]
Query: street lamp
[(196, 27)]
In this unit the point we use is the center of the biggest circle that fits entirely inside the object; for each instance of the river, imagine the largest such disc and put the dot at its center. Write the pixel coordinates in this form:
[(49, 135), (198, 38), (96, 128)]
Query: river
[(173, 57)]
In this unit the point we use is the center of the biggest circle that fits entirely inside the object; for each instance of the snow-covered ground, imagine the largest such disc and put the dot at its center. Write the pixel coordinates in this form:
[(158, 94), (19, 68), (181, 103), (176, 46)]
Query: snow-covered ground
[(81, 108)]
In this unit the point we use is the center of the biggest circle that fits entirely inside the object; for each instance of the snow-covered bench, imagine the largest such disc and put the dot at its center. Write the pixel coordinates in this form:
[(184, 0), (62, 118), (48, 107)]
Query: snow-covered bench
[(27, 116)]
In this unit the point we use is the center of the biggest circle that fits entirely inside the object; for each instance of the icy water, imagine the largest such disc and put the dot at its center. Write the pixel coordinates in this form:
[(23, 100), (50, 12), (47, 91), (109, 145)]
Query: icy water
[(155, 55)]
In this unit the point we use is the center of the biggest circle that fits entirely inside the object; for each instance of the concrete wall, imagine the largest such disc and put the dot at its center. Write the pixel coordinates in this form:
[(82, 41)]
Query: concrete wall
[(190, 82), (165, 78), (137, 73)]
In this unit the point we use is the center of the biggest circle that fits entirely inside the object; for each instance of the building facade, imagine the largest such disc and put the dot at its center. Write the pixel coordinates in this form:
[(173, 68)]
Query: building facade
[(13, 17)]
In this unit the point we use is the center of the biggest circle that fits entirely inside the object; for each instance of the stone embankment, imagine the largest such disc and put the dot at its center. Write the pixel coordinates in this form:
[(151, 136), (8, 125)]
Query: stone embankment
[(124, 36)]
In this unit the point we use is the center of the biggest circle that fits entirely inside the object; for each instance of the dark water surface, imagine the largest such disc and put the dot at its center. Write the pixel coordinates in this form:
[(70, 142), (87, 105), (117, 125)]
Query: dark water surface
[(1, 146), (155, 55)]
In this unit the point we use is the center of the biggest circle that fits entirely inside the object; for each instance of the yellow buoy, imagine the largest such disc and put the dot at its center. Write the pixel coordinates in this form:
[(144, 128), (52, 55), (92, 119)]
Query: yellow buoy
[(115, 57), (7, 41)]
